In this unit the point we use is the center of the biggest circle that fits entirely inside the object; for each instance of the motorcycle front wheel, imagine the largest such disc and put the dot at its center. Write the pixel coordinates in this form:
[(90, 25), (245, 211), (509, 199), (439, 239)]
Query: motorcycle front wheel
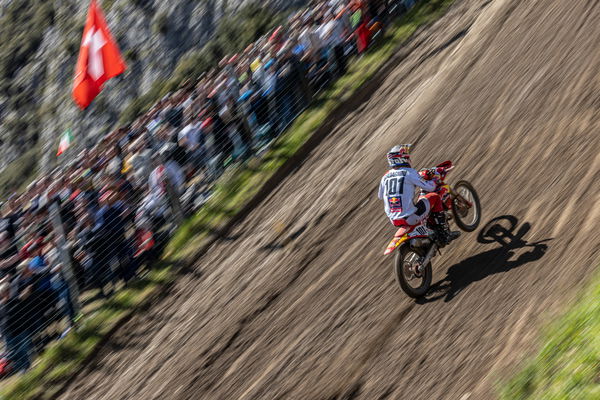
[(412, 282), (466, 207)]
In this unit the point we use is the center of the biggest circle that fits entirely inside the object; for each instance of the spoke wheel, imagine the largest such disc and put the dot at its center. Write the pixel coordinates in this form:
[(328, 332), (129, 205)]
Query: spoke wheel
[(414, 279), (466, 207)]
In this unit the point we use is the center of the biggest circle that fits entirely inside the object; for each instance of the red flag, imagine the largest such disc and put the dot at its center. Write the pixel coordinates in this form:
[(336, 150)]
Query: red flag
[(99, 58)]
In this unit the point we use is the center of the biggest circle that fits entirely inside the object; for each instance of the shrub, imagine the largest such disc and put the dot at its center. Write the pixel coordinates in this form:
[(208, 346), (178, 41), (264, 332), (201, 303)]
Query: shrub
[(161, 23), (144, 102), (22, 28), (20, 172), (107, 5), (192, 65), (131, 55), (236, 31), (21, 31)]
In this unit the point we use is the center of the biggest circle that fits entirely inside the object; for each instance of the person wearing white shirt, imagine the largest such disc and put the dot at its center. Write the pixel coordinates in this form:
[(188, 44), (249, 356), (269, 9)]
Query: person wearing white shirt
[(190, 137), (333, 33), (167, 169)]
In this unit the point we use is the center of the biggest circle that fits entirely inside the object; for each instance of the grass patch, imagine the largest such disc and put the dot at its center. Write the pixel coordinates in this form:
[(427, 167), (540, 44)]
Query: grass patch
[(62, 359), (568, 366)]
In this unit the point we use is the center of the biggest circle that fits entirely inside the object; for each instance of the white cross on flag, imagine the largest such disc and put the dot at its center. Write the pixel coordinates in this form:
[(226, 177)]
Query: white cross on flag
[(99, 58)]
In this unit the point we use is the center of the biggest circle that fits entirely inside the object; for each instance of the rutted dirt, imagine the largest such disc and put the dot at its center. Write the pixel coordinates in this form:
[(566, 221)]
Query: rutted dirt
[(299, 302)]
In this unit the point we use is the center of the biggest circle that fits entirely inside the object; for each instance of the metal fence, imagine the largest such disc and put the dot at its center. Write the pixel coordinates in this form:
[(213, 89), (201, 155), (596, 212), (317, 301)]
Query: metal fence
[(98, 223)]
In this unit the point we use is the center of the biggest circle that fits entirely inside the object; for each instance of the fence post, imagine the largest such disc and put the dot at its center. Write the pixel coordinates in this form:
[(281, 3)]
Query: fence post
[(65, 256), (174, 200), (172, 194)]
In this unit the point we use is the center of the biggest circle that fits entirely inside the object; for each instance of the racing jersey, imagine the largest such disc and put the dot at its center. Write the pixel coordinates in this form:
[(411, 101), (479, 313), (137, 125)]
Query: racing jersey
[(397, 190)]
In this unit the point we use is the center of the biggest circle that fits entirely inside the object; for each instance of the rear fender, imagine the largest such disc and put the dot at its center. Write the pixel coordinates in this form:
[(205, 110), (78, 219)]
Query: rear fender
[(396, 242), (405, 233)]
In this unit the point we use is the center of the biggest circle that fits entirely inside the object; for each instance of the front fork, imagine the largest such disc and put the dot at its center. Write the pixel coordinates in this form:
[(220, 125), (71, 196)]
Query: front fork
[(454, 194)]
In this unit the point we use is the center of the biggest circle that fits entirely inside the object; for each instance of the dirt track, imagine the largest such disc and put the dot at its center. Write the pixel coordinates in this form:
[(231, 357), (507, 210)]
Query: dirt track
[(299, 302)]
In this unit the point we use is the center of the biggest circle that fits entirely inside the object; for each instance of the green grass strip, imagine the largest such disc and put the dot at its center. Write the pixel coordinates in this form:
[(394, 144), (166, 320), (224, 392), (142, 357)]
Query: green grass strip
[(568, 366), (64, 358)]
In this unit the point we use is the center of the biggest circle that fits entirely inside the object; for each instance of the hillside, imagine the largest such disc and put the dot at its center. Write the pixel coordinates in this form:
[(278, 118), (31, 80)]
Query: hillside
[(297, 301), (40, 41)]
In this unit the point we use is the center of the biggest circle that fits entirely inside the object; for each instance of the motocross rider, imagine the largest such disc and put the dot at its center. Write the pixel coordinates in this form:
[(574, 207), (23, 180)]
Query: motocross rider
[(397, 190)]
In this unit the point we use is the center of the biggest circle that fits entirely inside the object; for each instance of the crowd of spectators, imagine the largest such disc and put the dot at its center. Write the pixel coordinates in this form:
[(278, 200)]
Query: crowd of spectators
[(113, 198)]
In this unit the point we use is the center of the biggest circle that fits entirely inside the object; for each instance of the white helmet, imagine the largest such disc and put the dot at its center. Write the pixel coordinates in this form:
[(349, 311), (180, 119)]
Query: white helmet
[(399, 156)]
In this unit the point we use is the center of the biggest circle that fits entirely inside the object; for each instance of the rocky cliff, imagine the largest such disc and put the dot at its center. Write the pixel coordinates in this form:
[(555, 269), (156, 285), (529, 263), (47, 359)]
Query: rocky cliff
[(39, 42)]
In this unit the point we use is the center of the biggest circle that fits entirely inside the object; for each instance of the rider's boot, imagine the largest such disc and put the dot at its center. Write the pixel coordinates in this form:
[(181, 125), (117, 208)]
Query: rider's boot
[(441, 226)]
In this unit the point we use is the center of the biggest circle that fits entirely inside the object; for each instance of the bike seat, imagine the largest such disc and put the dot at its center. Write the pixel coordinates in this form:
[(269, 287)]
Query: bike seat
[(404, 227)]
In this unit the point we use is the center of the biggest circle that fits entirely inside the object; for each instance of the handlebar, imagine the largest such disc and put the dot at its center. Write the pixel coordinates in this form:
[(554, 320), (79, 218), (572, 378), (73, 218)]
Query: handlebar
[(440, 170)]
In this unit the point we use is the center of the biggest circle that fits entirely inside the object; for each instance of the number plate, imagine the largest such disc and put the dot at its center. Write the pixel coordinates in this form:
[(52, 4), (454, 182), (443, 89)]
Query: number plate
[(419, 231)]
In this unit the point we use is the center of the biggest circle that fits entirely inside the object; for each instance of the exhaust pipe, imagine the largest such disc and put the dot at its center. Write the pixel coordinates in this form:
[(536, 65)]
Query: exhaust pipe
[(429, 255)]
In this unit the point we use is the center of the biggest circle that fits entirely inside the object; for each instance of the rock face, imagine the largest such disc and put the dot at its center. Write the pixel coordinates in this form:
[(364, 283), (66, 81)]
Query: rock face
[(35, 102)]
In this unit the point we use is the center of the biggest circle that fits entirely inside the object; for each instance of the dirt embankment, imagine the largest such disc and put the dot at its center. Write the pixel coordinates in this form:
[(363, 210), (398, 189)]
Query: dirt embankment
[(299, 303)]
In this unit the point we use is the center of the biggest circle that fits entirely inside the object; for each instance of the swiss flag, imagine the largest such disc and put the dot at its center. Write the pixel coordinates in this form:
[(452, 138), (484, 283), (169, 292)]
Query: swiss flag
[(99, 58)]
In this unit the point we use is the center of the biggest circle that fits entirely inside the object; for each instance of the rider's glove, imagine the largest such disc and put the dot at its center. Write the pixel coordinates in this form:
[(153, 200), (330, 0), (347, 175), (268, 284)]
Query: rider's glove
[(427, 174)]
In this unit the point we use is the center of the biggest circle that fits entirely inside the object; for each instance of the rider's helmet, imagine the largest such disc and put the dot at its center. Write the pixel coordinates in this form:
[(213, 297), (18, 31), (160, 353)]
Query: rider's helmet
[(399, 156)]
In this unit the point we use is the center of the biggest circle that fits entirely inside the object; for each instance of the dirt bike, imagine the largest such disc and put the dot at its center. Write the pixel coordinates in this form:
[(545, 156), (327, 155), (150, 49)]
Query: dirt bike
[(418, 244)]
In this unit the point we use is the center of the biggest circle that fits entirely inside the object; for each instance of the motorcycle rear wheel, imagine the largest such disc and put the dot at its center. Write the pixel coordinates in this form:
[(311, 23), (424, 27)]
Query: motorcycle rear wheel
[(404, 271), (467, 218)]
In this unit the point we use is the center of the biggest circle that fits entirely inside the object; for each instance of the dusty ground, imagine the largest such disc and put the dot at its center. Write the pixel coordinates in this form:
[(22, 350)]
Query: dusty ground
[(299, 303)]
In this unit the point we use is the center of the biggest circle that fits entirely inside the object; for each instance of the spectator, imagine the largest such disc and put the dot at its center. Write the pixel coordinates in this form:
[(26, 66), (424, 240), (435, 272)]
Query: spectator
[(191, 139), (139, 163), (90, 243), (172, 114), (115, 164), (20, 306), (113, 226), (61, 287), (168, 168), (37, 273), (216, 130)]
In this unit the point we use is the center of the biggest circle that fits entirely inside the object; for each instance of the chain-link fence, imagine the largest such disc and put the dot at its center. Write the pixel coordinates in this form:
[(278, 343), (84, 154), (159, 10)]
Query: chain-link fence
[(97, 223)]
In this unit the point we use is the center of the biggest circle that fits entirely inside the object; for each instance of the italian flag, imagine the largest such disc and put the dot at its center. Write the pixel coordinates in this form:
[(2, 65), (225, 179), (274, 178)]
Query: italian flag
[(65, 142)]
